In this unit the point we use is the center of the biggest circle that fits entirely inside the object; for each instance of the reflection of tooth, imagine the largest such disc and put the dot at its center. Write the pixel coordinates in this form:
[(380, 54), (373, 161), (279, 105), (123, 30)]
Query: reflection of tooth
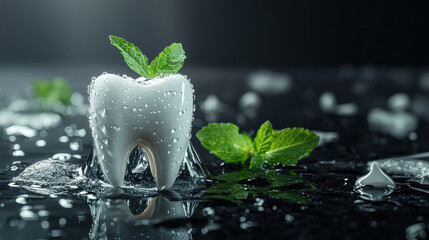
[(160, 209), (153, 114), (112, 219)]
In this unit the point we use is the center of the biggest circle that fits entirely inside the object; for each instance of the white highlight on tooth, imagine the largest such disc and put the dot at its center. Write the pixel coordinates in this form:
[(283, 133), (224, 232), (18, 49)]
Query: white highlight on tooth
[(117, 127)]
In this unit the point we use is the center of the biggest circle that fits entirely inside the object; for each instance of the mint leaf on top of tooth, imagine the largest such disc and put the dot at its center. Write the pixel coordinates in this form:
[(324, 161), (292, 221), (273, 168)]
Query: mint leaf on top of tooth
[(169, 61), (270, 147)]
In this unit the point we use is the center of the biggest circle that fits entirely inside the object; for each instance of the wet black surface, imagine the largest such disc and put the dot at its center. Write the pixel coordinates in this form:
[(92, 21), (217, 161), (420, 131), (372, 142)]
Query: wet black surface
[(337, 212)]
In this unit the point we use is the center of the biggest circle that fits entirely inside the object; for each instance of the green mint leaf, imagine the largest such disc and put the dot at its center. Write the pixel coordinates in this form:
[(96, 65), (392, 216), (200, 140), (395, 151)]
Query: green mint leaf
[(281, 180), (264, 137), (169, 61), (56, 91), (41, 89), (226, 188), (290, 145), (132, 55), (230, 191), (257, 161), (238, 176), (225, 142)]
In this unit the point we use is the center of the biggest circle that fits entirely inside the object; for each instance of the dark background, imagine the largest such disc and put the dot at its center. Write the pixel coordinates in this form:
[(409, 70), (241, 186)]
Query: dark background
[(226, 33)]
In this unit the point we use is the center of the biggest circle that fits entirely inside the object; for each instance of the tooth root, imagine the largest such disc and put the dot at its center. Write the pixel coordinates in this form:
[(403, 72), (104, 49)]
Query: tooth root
[(154, 114)]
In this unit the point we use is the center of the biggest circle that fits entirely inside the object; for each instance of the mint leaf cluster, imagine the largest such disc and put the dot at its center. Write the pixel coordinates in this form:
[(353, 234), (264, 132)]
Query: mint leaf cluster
[(270, 147), (169, 61), (53, 92)]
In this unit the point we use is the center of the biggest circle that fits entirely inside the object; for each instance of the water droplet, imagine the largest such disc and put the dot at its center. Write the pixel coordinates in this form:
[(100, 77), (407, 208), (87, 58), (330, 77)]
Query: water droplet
[(61, 156), (125, 107), (115, 127), (380, 184), (101, 111), (208, 211), (62, 222), (105, 141), (18, 153), (74, 146), (63, 139), (189, 136), (101, 127), (173, 130), (175, 139), (134, 109), (65, 203)]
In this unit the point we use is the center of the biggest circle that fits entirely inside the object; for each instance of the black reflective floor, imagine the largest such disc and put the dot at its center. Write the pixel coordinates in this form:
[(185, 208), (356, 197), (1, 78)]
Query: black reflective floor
[(336, 211)]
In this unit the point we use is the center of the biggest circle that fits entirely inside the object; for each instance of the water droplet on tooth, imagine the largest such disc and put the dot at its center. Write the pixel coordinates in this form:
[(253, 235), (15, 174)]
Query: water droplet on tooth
[(101, 127), (101, 111), (175, 139), (105, 141), (115, 127), (173, 130)]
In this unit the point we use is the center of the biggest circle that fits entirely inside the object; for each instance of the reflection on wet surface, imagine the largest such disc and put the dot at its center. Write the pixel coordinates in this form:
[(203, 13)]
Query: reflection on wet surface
[(132, 218), (56, 191)]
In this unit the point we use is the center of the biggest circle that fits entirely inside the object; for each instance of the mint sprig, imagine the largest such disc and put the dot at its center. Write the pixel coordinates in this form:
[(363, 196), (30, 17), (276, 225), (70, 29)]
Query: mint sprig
[(270, 147), (169, 61), (225, 142), (55, 91)]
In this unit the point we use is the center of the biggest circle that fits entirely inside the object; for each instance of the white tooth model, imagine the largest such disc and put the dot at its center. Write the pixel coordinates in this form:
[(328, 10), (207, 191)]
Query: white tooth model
[(155, 114)]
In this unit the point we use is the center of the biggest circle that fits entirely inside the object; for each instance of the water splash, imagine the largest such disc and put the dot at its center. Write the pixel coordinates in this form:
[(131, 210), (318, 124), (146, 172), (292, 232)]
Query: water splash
[(415, 166), (65, 173), (138, 174), (375, 185)]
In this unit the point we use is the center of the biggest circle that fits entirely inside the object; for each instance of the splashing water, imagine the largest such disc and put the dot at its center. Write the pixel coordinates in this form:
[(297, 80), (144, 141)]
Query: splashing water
[(375, 185), (64, 171)]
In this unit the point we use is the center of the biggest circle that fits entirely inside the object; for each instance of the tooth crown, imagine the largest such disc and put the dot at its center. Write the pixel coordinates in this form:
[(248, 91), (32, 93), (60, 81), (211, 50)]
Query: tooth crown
[(155, 114)]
